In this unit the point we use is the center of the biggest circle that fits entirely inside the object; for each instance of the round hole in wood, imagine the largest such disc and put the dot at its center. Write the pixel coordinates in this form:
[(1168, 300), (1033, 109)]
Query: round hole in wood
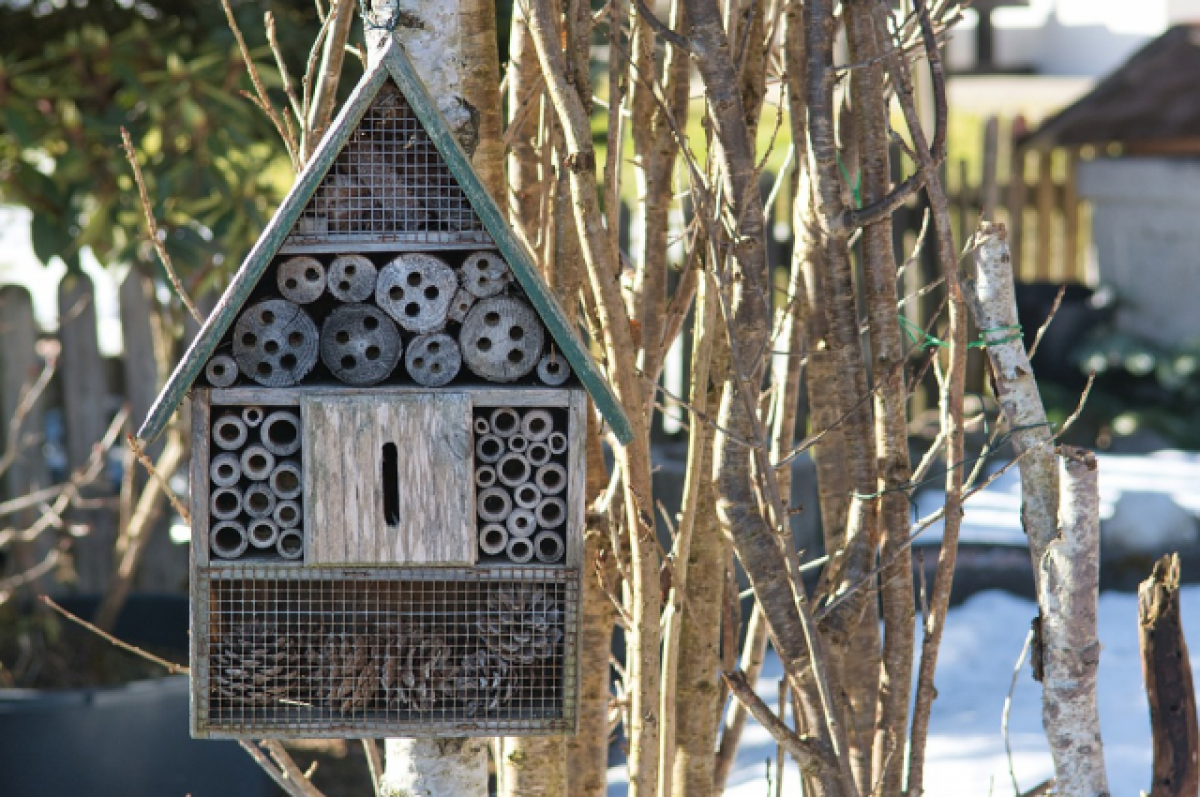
[(342, 337), (288, 361), (347, 361), (396, 293), (434, 347), (370, 323), (296, 339), (414, 279), (491, 319), (431, 293), (515, 356), (344, 286), (485, 344), (250, 339), (267, 317), (412, 309), (263, 369), (311, 274), (350, 270), (372, 353), (271, 347), (516, 333), (291, 284)]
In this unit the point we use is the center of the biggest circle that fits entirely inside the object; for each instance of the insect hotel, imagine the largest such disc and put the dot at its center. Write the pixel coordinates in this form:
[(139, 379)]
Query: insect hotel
[(388, 416)]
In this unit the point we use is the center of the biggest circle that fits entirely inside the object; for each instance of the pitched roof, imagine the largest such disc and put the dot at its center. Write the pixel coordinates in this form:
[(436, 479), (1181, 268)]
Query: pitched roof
[(393, 63), (1153, 98)]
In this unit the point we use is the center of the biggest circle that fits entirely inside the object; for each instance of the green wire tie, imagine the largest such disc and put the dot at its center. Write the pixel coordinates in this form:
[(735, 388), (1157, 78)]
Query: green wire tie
[(918, 336)]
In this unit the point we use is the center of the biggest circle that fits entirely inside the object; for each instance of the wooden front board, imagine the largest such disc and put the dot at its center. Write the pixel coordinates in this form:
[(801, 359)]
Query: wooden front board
[(344, 454)]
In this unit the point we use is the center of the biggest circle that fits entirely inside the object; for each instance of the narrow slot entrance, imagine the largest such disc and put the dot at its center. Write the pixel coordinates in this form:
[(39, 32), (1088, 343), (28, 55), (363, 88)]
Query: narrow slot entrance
[(391, 485)]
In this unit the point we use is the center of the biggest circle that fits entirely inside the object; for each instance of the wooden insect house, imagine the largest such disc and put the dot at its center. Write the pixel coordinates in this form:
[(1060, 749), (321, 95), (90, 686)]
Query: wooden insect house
[(388, 415)]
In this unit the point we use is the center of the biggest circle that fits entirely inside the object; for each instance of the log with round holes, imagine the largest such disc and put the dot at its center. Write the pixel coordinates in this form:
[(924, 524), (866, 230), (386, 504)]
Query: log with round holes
[(553, 369), (485, 476), (287, 514), (493, 539), (527, 496), (557, 442), (489, 448), (301, 279), (352, 278), (221, 371), (501, 339), (494, 505), (253, 416), (226, 503), (551, 479), (485, 274), (228, 540), (433, 360), (360, 345), (275, 343), (257, 463), (460, 305), (537, 425), (519, 549), (281, 433), (505, 421), (258, 501), (538, 454), (482, 426), (229, 432), (548, 547), (225, 470), (286, 480), (521, 523), (551, 512), (263, 533), (290, 544), (416, 290), (518, 443), (513, 469)]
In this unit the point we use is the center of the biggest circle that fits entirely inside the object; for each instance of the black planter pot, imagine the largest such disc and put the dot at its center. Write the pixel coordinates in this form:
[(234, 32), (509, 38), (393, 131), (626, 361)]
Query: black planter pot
[(124, 741)]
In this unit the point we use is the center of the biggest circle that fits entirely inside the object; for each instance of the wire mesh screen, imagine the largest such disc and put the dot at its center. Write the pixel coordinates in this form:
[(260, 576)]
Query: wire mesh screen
[(389, 183), (413, 652)]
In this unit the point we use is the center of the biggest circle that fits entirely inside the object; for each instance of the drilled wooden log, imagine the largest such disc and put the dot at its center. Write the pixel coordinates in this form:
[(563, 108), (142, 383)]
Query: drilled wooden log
[(301, 279), (253, 416), (290, 544), (553, 369), (537, 425), (493, 539), (275, 343), (501, 339), (287, 514), (360, 345), (551, 512), (229, 432), (263, 533), (494, 505), (505, 422), (557, 442), (485, 476), (416, 290), (352, 278), (460, 305), (551, 479), (485, 274), (489, 448), (258, 501), (433, 360), (281, 433), (538, 454), (228, 540), (548, 547), (225, 470), (513, 470), (225, 503), (257, 463), (527, 496), (519, 549), (221, 371), (286, 480), (521, 523)]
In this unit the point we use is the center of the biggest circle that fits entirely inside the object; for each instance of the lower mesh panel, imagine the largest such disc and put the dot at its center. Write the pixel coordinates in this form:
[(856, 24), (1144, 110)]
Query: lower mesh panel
[(412, 652)]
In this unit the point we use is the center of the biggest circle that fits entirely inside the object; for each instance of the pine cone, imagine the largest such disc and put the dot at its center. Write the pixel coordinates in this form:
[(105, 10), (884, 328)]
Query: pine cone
[(484, 682), (346, 672), (523, 624), (417, 670), (254, 664)]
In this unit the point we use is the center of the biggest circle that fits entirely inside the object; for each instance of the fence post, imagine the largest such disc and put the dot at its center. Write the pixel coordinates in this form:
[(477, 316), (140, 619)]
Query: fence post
[(1074, 270), (1044, 202), (1016, 196)]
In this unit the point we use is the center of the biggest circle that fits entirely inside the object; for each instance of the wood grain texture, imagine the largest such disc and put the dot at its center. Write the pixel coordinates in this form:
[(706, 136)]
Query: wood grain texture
[(515, 396), (343, 494), (576, 474), (201, 453)]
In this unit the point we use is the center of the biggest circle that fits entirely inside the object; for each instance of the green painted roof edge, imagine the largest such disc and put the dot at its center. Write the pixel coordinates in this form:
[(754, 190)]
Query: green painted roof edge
[(395, 63)]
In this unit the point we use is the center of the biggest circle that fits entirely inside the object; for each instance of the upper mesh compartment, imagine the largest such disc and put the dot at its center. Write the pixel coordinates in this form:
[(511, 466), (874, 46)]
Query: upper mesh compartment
[(389, 183)]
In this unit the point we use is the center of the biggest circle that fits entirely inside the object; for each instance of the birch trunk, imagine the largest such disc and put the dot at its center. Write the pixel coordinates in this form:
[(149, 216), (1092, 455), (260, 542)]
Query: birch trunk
[(435, 768), (1069, 581)]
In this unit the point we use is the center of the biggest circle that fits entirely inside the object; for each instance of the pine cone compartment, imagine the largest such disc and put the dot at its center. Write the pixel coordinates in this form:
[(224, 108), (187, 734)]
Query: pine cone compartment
[(255, 664), (346, 673), (523, 625), (417, 670)]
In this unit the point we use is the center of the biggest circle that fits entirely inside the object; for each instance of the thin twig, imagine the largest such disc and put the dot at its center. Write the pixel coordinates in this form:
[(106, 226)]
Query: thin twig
[(1012, 687), (169, 666), (148, 464)]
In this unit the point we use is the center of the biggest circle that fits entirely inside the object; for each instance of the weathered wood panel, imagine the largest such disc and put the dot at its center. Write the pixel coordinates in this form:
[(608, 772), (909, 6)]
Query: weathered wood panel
[(348, 517), (516, 396), (576, 473), (201, 421)]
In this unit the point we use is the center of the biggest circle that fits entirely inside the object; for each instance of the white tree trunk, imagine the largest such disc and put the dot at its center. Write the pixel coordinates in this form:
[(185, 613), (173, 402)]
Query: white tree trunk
[(435, 768)]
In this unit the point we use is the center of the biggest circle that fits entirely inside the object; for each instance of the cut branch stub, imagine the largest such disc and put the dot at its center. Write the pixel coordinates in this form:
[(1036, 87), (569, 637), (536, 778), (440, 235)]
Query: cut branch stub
[(275, 343), (433, 360), (485, 274), (553, 369), (352, 278), (360, 345), (501, 339), (301, 279), (460, 305), (417, 290), (221, 371)]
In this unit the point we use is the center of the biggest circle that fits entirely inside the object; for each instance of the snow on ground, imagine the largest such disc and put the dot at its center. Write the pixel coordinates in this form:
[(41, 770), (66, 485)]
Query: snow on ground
[(966, 755)]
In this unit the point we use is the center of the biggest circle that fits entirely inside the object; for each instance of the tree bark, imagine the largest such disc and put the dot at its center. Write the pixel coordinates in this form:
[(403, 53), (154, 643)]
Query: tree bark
[(1169, 688), (333, 54), (435, 768)]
